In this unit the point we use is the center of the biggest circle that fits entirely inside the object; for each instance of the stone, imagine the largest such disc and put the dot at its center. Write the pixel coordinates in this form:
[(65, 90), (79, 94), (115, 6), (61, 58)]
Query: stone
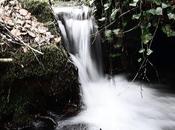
[(38, 88)]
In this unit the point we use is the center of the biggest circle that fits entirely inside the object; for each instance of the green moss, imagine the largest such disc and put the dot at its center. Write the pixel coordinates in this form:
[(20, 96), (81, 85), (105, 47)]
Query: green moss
[(30, 64), (39, 8), (47, 82)]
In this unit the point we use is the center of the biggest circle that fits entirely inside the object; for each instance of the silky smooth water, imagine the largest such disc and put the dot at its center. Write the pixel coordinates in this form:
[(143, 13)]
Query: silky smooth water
[(110, 104)]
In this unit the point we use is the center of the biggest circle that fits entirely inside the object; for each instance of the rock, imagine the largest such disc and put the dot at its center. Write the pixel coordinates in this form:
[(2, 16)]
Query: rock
[(37, 87)]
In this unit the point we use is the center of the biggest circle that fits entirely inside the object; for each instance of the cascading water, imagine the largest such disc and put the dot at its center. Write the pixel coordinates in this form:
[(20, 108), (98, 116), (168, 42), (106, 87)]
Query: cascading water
[(110, 104)]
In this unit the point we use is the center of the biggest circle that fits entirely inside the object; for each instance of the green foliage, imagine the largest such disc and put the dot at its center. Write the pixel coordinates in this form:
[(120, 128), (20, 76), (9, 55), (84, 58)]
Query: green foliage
[(141, 18), (148, 14)]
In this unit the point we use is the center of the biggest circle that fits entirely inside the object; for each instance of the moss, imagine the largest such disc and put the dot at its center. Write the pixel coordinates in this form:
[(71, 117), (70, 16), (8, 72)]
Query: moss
[(39, 8), (33, 85)]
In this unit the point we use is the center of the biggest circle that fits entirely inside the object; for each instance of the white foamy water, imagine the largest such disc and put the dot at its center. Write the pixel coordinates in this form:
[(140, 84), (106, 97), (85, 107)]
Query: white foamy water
[(114, 104)]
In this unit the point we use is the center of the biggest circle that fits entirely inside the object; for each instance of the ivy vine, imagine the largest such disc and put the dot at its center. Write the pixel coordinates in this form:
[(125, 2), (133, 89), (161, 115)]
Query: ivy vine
[(147, 16)]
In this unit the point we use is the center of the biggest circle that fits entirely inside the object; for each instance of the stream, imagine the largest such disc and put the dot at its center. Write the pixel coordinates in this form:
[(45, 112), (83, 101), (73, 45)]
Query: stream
[(109, 103)]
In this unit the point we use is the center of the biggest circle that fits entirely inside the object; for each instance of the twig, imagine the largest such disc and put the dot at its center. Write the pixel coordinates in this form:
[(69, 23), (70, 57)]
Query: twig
[(141, 66), (133, 28), (47, 118), (6, 59), (115, 20), (127, 12), (8, 96), (157, 73), (19, 40), (154, 32)]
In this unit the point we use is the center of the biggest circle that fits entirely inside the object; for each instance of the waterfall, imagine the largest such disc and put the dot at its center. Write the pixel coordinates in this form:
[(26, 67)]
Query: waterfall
[(77, 27), (114, 104)]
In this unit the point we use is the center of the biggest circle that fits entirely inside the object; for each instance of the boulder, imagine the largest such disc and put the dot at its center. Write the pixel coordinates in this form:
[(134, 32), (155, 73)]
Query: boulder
[(34, 84)]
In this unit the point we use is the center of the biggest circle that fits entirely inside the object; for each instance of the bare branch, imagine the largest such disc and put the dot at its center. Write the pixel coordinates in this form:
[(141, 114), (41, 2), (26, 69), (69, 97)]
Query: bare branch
[(6, 59), (16, 39)]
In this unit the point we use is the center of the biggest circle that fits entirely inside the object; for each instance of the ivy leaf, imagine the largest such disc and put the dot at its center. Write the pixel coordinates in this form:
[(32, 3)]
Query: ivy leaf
[(164, 5), (91, 2), (146, 38), (108, 35), (106, 6), (134, 3), (149, 52), (159, 11), (168, 31), (102, 19), (136, 16), (157, 2), (114, 12), (142, 50), (151, 11), (139, 60), (171, 16), (116, 31)]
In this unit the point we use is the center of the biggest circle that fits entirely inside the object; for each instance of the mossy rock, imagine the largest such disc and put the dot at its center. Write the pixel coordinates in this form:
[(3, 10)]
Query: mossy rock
[(37, 83), (38, 8)]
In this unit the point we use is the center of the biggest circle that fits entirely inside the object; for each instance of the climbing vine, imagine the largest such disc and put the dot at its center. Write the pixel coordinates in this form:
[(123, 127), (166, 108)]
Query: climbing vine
[(117, 18)]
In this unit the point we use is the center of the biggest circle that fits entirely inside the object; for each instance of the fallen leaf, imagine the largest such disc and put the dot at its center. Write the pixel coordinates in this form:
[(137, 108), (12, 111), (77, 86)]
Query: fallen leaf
[(27, 25), (31, 34), (28, 16), (21, 22), (42, 29), (23, 12), (16, 32), (58, 39)]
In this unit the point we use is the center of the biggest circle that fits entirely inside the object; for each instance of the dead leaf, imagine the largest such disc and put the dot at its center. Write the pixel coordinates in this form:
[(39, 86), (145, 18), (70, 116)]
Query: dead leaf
[(27, 26), (58, 39), (15, 32), (28, 16), (23, 12), (31, 34), (42, 29), (21, 22)]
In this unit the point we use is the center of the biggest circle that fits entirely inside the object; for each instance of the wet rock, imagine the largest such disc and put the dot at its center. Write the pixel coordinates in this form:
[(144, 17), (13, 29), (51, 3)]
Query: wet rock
[(29, 86), (32, 83)]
